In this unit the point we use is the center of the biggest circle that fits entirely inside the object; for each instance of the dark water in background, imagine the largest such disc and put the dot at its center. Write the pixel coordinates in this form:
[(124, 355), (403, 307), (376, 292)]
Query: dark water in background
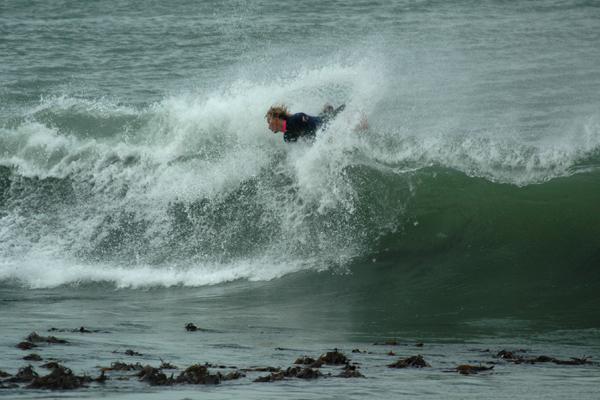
[(137, 172)]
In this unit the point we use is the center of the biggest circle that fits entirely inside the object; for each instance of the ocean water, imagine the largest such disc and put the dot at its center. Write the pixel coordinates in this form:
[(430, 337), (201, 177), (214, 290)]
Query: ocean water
[(141, 190)]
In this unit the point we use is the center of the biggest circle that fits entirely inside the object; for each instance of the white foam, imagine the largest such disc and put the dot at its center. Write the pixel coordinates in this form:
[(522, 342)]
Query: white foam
[(497, 158), (103, 107), (39, 271), (203, 146)]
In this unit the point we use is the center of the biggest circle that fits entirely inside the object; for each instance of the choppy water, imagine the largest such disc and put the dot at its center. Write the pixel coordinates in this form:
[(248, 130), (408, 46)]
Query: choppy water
[(139, 182)]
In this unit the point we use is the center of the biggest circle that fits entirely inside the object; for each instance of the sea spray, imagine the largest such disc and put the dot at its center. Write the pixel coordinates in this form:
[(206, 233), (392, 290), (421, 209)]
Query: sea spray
[(195, 185)]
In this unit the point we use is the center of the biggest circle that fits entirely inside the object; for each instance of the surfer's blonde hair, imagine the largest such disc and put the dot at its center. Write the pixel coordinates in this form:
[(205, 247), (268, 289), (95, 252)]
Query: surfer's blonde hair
[(277, 111)]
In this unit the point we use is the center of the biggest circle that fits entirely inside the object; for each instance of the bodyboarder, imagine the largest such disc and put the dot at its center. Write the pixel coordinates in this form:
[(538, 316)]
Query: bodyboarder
[(299, 125)]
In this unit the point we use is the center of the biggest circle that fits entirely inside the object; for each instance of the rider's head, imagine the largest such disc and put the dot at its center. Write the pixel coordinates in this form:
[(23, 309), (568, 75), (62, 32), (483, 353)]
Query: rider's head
[(275, 117)]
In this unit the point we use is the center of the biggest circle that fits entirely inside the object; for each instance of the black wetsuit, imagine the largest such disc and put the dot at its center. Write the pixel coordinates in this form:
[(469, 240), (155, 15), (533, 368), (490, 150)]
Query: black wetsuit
[(301, 125), (304, 125)]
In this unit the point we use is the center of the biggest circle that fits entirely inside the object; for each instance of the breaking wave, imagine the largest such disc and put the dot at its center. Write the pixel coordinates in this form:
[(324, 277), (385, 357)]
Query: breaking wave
[(193, 190)]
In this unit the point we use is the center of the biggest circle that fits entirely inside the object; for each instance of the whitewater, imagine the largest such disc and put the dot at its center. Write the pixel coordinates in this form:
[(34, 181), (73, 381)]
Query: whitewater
[(184, 185)]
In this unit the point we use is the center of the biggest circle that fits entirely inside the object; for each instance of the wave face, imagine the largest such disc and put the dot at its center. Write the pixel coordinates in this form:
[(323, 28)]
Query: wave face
[(480, 164), (181, 193)]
